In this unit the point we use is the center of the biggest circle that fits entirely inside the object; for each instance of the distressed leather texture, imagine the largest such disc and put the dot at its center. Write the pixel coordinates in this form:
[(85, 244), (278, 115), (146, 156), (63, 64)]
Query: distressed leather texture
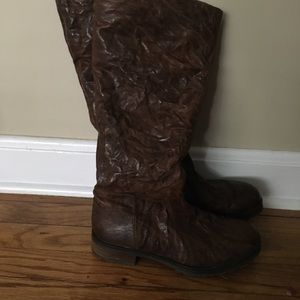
[(225, 197), (143, 66)]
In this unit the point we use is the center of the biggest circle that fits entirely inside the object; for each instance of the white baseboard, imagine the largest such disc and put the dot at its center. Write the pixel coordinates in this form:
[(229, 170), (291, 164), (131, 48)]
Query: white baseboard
[(67, 167)]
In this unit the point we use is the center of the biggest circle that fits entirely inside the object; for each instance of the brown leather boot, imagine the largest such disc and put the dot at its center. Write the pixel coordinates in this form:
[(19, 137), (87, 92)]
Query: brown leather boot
[(150, 64), (226, 197), (229, 198)]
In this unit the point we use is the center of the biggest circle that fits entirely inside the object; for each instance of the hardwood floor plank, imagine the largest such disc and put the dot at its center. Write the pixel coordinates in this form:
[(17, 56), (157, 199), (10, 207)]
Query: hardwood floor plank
[(45, 237), (44, 198), (281, 213), (117, 293), (39, 212)]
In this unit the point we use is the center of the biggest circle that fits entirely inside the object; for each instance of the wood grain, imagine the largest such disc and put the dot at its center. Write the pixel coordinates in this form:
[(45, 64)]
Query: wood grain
[(45, 254), (46, 210)]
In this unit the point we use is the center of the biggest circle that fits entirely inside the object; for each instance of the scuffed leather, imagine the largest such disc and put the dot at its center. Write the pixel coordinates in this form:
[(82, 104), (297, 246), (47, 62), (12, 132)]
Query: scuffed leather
[(225, 197), (148, 64), (115, 219)]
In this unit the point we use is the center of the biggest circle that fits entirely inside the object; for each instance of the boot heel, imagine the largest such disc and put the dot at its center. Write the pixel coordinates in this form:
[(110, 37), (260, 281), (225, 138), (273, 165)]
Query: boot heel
[(112, 254)]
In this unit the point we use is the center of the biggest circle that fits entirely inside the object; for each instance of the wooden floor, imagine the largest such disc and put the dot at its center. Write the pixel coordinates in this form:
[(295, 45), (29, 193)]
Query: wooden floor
[(45, 254)]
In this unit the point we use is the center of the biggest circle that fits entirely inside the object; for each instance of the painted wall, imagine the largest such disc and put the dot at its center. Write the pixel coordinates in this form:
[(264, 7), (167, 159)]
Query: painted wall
[(256, 104)]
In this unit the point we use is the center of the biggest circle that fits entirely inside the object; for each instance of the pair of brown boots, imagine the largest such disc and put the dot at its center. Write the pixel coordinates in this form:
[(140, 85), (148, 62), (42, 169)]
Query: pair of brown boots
[(143, 66)]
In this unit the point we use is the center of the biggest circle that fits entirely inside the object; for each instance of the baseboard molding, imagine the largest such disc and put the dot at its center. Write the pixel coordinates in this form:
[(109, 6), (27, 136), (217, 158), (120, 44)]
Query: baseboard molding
[(65, 167)]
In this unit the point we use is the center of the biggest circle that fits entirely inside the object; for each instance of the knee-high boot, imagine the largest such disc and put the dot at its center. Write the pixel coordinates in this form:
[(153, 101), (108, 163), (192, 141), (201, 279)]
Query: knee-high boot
[(149, 63)]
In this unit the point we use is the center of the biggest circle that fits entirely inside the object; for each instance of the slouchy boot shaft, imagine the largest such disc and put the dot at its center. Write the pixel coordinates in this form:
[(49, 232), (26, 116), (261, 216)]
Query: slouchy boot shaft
[(150, 66)]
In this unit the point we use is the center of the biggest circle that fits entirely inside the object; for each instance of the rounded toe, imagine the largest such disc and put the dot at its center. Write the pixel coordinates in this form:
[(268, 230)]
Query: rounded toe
[(241, 244), (247, 200), (228, 245)]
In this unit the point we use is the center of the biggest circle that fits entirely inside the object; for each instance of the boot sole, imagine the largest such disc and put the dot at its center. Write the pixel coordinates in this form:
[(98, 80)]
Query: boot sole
[(125, 256)]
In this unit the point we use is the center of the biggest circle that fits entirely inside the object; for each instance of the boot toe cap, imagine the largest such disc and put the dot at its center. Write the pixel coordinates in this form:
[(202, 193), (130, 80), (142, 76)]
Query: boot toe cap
[(248, 201), (238, 241), (234, 198), (228, 244)]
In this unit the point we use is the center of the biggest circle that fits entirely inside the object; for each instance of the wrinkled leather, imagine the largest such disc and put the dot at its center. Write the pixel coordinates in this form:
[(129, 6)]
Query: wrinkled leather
[(149, 64), (226, 197)]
